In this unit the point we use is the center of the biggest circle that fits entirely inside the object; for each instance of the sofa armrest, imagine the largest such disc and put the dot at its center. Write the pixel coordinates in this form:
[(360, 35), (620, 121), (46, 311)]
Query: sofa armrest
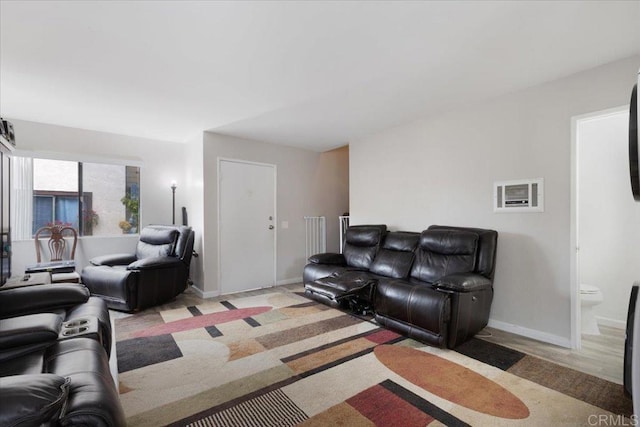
[(154, 263), (33, 399), (328, 258), (31, 329), (38, 298), (113, 259), (463, 282)]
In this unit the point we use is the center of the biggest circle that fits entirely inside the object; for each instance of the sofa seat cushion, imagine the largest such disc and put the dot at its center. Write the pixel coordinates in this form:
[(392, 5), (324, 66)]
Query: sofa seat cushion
[(313, 272), (28, 363), (443, 252)]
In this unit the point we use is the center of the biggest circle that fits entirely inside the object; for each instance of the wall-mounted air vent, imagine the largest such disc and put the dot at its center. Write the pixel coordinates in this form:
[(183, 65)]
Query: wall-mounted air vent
[(524, 195)]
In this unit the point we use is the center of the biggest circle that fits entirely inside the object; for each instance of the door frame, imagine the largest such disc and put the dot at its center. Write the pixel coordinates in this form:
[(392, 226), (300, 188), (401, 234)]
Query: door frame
[(275, 215), (574, 256)]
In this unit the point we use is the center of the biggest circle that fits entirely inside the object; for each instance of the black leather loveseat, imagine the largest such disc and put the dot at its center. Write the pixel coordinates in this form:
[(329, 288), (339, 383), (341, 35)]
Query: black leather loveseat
[(435, 286), (55, 342)]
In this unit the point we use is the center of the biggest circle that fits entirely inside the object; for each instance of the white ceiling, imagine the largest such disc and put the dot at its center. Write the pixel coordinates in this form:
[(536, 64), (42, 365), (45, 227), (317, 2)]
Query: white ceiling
[(308, 74)]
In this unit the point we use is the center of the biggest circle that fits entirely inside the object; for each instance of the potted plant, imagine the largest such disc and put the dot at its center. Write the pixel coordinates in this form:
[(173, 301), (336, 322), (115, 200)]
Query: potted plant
[(125, 226), (132, 207), (90, 219)]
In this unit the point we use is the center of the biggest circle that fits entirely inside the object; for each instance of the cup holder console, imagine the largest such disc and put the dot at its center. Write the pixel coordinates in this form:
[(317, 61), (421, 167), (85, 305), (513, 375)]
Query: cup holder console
[(74, 331), (76, 323), (79, 327)]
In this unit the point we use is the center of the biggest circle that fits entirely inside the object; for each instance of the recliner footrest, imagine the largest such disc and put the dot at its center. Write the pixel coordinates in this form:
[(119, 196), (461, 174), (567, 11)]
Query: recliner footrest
[(337, 288)]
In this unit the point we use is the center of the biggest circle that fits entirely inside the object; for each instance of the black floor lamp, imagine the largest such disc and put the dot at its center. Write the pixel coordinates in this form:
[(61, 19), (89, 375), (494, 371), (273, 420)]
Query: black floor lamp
[(173, 206)]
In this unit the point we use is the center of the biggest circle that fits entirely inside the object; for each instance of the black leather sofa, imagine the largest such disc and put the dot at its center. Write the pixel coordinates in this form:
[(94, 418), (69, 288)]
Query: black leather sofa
[(435, 286), (55, 342), (155, 274)]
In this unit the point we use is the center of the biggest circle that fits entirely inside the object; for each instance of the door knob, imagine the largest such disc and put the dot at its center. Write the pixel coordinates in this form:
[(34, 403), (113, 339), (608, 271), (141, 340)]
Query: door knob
[(271, 227)]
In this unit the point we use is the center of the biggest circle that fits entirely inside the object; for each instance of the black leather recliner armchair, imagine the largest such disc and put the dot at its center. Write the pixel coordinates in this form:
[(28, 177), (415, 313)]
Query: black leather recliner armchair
[(155, 274)]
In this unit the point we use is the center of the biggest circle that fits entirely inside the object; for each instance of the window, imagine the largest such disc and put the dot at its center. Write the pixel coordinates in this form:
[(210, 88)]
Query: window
[(51, 207), (94, 198)]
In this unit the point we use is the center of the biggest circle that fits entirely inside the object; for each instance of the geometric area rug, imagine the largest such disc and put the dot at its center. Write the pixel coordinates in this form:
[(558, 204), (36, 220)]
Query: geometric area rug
[(279, 359)]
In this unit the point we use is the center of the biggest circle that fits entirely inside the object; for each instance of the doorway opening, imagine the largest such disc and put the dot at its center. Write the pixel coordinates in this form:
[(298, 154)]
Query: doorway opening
[(604, 247)]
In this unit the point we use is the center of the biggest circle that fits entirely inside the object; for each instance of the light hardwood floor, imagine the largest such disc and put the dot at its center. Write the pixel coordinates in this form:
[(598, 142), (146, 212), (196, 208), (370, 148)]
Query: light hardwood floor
[(601, 355)]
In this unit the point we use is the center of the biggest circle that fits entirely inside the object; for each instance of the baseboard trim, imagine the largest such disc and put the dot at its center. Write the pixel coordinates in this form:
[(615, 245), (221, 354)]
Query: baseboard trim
[(204, 295), (214, 294), (612, 323), (530, 333), (289, 281)]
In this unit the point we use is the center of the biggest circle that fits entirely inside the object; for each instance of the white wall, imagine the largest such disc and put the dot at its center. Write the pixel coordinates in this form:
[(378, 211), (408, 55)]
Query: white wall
[(194, 152), (160, 162), (309, 183), (609, 218), (440, 170)]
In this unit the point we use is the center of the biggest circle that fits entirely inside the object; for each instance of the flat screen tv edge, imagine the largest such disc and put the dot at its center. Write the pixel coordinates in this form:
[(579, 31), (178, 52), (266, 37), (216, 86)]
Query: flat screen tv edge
[(632, 339), (634, 169), (631, 348)]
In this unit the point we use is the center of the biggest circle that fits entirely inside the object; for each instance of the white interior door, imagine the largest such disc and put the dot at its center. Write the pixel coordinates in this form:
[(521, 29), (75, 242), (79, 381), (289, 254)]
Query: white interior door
[(246, 225)]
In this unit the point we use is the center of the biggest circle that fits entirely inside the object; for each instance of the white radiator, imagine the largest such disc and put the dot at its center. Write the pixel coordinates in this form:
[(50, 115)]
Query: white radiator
[(316, 235)]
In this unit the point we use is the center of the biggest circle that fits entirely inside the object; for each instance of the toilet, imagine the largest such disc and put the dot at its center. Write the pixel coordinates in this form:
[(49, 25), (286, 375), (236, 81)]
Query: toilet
[(590, 296)]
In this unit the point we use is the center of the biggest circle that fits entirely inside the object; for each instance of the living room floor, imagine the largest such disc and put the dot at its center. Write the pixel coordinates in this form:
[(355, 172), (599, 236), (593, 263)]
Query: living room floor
[(600, 356)]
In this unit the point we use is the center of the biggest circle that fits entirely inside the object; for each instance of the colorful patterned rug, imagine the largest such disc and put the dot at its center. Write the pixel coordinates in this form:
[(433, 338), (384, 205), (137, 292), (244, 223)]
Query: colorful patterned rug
[(279, 359)]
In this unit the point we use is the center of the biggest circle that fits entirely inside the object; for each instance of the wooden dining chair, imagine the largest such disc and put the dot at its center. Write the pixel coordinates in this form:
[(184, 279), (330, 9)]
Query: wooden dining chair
[(61, 243)]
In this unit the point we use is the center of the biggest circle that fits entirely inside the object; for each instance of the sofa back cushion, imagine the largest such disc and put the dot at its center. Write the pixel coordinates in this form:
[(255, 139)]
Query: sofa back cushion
[(396, 255), (487, 244), (443, 252), (183, 247), (157, 242), (361, 244)]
